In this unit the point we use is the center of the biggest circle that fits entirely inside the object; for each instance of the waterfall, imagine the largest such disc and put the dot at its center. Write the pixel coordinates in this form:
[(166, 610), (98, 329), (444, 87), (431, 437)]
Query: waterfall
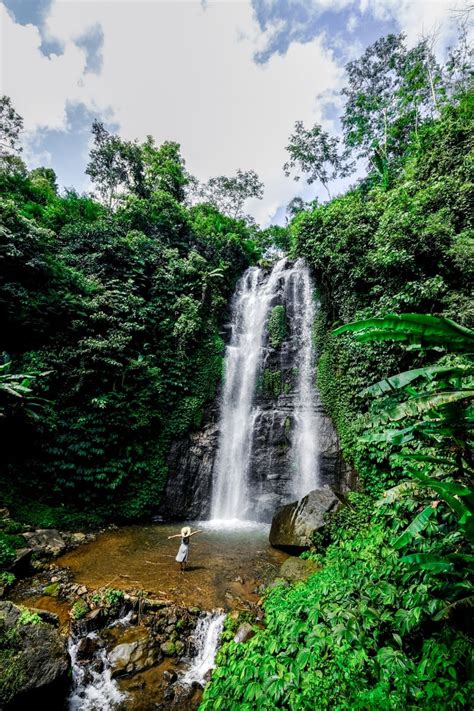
[(93, 688), (207, 634), (244, 483), (305, 440), (243, 356)]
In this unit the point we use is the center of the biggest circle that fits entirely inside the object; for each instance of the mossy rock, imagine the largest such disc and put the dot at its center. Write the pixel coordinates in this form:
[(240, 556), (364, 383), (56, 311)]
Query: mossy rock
[(53, 589), (296, 569), (168, 648)]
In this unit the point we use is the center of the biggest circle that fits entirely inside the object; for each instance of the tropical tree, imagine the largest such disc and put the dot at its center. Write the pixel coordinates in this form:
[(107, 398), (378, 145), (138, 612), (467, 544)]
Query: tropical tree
[(317, 154), (229, 193), (11, 125)]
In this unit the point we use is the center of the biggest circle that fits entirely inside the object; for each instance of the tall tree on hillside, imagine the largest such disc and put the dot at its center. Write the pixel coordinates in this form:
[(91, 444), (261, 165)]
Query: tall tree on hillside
[(164, 168), (390, 91), (228, 194), (115, 165), (314, 152), (11, 125)]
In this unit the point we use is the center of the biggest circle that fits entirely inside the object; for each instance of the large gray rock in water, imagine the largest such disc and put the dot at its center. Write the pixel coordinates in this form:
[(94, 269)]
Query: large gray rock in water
[(45, 541), (293, 524), (135, 652), (39, 669)]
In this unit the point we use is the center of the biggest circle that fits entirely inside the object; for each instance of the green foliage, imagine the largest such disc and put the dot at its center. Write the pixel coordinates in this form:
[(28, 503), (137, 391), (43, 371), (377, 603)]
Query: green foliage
[(7, 551), (108, 597), (376, 252), (7, 579), (357, 634), (277, 326), (79, 610), (28, 617), (119, 310)]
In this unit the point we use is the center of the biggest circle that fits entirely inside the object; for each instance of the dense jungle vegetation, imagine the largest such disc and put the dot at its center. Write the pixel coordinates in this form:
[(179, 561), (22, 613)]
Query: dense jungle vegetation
[(111, 309), (386, 623), (111, 313)]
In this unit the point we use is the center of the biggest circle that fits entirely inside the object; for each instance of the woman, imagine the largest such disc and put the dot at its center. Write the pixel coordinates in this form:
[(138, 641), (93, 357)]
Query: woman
[(183, 553)]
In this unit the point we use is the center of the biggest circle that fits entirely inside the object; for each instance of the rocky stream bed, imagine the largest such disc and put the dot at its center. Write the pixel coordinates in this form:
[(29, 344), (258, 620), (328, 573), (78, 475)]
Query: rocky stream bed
[(108, 621)]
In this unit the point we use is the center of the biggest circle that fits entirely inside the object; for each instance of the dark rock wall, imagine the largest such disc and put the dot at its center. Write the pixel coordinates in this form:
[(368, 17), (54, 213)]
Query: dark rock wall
[(191, 460)]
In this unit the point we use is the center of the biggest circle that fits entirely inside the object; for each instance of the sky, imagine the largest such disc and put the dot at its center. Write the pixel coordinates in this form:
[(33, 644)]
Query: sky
[(227, 79)]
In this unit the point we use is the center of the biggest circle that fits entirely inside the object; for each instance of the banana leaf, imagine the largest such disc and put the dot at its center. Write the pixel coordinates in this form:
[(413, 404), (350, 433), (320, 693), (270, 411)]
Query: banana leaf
[(418, 405), (420, 329), (428, 561), (401, 380), (416, 526), (452, 607)]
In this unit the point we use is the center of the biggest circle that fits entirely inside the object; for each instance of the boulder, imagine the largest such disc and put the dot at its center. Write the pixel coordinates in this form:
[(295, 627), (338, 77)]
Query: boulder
[(21, 565), (168, 648), (295, 569), (39, 669), (244, 632), (45, 541), (135, 652), (293, 524)]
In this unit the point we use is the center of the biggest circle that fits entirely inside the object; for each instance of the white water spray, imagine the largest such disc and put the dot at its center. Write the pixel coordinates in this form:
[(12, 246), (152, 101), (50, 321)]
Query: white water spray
[(243, 357), (233, 500), (305, 438), (92, 690), (207, 635)]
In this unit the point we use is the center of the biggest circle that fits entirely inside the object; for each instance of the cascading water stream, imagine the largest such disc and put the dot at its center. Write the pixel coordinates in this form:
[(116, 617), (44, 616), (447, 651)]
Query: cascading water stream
[(93, 689), (305, 439), (235, 494), (243, 357), (207, 635)]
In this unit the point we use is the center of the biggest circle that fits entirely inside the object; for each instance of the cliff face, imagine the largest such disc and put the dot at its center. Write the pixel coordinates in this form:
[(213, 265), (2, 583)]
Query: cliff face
[(276, 425)]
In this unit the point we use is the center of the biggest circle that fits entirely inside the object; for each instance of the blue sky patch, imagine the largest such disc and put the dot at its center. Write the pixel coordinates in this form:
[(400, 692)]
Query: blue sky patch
[(69, 149), (92, 42)]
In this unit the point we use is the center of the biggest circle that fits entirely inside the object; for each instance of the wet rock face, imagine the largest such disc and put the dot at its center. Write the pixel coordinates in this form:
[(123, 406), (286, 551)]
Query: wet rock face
[(190, 465), (41, 662), (272, 468), (293, 524), (136, 651)]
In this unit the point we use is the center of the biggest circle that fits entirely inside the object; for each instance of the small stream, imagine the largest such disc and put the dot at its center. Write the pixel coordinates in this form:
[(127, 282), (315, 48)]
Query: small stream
[(207, 635)]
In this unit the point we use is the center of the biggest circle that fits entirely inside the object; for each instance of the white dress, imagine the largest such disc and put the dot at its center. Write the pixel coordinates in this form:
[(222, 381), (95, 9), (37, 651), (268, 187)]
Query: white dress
[(183, 552)]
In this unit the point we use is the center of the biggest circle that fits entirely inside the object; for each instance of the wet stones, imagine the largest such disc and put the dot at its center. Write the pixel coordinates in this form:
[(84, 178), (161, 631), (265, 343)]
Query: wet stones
[(45, 541), (293, 524), (168, 648), (244, 632), (40, 664), (135, 652)]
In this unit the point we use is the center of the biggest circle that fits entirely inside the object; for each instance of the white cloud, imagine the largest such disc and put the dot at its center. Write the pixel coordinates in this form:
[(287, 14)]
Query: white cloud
[(183, 71), (180, 72)]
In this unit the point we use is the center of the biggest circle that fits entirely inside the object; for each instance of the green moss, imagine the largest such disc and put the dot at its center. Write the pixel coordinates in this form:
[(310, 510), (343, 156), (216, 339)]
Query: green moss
[(277, 326), (272, 384), (12, 665), (52, 590), (79, 610)]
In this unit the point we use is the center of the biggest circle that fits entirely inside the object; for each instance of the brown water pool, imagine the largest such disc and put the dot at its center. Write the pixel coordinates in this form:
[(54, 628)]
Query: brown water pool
[(226, 565)]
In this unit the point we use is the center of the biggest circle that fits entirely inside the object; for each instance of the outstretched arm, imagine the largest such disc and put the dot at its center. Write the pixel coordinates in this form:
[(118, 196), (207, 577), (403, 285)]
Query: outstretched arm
[(194, 532), (176, 535)]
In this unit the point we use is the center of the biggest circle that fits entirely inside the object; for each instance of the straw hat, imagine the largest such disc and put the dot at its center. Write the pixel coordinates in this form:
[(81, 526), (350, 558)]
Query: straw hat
[(185, 531)]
